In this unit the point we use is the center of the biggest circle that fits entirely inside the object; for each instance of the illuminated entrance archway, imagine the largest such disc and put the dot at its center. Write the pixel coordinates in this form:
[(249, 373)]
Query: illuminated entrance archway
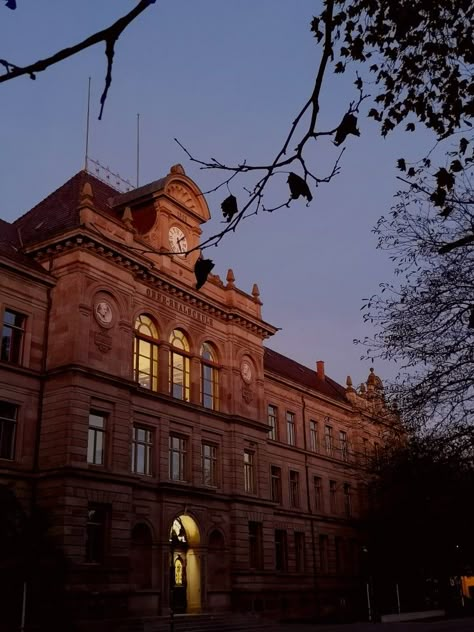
[(185, 567)]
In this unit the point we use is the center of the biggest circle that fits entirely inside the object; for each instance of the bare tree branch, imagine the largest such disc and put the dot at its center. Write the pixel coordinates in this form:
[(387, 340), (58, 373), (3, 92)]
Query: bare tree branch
[(109, 36)]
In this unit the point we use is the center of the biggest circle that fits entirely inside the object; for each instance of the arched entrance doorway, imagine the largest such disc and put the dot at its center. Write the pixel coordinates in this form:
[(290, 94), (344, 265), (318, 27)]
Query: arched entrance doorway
[(185, 565)]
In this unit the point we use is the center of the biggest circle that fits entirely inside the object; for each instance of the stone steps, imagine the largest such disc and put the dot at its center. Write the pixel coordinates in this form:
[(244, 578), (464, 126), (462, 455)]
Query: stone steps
[(197, 623)]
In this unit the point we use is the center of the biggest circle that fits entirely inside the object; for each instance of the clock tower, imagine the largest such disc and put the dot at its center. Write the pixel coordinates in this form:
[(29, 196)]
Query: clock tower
[(166, 216)]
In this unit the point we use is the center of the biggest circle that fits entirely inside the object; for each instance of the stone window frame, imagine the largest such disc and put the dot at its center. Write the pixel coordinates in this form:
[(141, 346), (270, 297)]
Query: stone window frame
[(4, 422), (153, 340), (14, 330), (148, 443), (211, 364)]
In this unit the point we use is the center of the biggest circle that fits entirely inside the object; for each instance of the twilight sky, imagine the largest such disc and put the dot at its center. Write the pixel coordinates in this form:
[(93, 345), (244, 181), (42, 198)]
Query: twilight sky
[(227, 79)]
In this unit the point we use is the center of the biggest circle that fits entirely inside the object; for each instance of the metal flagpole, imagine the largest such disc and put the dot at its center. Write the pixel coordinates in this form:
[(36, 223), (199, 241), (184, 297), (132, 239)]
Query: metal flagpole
[(87, 124), (138, 150)]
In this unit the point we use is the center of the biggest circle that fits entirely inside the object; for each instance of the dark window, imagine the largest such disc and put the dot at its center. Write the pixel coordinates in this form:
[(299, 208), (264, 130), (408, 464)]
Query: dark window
[(96, 530), (281, 550), (255, 545), (339, 554), (96, 438), (294, 488), (323, 553), (318, 494), (249, 472), (276, 483), (344, 445), (209, 464), (333, 496), (313, 436), (142, 444), (209, 377), (12, 336), (273, 422), (178, 457), (8, 417), (347, 500), (299, 552), (290, 428), (329, 440)]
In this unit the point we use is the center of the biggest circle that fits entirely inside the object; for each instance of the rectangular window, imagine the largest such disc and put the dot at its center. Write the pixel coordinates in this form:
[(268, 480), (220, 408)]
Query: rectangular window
[(299, 552), (339, 554), (294, 488), (13, 332), (365, 451), (8, 417), (318, 494), (281, 550), (178, 457), (96, 532), (347, 500), (313, 436), (290, 428), (249, 472), (273, 422), (323, 554), (276, 483), (96, 438), (142, 445), (333, 496), (344, 445), (255, 545), (329, 440), (209, 464)]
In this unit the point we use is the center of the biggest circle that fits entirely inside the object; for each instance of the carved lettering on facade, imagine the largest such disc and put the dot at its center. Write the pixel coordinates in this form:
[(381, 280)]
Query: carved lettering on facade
[(103, 341), (179, 307)]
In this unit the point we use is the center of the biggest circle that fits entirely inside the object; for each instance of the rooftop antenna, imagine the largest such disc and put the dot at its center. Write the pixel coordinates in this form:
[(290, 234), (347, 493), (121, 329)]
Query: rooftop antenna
[(86, 157), (138, 149)]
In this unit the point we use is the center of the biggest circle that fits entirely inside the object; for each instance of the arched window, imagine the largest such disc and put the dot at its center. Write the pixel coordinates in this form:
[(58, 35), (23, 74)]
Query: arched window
[(179, 365), (209, 377), (145, 353)]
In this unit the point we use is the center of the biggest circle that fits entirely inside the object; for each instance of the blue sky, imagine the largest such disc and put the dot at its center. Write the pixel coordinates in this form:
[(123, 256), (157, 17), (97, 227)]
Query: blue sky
[(227, 79)]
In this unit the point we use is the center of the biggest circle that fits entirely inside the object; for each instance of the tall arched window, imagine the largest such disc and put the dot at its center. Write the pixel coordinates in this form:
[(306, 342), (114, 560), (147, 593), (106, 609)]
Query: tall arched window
[(145, 353), (209, 377), (179, 365)]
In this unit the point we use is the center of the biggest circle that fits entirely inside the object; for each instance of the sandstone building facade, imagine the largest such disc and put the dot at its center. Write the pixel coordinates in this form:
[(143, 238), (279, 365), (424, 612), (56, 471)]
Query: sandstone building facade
[(179, 457)]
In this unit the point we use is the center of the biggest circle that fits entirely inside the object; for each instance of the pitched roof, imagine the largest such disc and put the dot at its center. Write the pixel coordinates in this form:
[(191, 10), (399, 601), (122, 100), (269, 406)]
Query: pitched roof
[(59, 211), (296, 372), (10, 247)]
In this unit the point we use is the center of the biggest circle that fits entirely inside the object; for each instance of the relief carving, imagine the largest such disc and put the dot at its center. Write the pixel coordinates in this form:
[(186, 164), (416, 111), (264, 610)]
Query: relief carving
[(181, 195), (247, 394)]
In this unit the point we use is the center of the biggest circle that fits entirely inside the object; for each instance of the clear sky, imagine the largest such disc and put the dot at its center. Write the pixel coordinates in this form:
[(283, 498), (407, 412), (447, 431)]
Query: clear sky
[(227, 79)]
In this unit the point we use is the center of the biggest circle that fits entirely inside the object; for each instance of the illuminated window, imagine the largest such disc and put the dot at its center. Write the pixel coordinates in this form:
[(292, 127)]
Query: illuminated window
[(344, 445), (276, 483), (255, 545), (178, 457), (272, 417), (179, 365), (318, 493), (96, 439), (299, 552), (145, 353), (209, 464), (142, 444), (313, 436), (13, 332), (329, 440), (294, 488), (333, 496), (209, 378), (8, 417), (249, 472), (290, 428)]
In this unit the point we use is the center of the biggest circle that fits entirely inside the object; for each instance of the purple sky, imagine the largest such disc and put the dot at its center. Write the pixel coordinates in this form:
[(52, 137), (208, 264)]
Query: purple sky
[(226, 78)]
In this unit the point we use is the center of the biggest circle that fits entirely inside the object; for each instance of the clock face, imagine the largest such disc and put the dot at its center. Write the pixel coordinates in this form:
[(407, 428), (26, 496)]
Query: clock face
[(103, 313), (177, 239), (246, 371)]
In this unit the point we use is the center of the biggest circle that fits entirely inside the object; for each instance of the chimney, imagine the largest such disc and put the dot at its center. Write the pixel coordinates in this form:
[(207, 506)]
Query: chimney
[(320, 369)]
